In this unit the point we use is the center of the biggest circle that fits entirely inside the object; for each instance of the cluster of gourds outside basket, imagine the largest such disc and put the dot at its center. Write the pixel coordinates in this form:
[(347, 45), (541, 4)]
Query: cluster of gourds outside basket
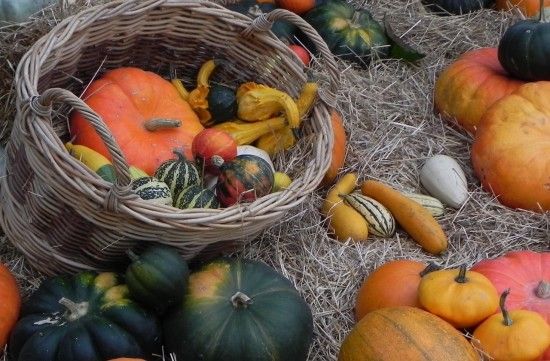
[(254, 313)]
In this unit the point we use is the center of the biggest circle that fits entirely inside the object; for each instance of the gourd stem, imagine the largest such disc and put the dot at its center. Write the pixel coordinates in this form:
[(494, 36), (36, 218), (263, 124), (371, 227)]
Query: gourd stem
[(431, 267), (240, 300), (133, 257), (158, 123), (543, 290), (76, 310), (179, 154), (507, 321), (217, 160), (461, 278)]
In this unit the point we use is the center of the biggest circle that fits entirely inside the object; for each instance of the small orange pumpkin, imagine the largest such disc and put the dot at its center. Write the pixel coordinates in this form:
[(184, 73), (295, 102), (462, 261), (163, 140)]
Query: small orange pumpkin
[(470, 85), (527, 7), (462, 298), (10, 304), (510, 153), (301, 52), (145, 114), (296, 6), (395, 283)]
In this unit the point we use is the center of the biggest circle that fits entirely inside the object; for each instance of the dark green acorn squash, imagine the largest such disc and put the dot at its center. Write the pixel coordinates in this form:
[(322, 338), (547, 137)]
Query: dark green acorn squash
[(86, 317), (456, 7), (524, 49), (196, 196), (178, 173), (237, 309), (157, 278), (351, 34)]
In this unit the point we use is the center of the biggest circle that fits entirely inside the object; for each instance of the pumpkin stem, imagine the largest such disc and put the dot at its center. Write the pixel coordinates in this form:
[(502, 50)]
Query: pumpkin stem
[(75, 310), (507, 320), (217, 160), (431, 267), (543, 290), (240, 300), (461, 278), (159, 123)]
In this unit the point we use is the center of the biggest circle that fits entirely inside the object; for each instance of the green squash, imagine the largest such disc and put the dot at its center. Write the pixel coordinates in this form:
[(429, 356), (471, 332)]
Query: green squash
[(238, 309), (222, 104), (456, 7), (178, 173), (196, 196), (152, 190), (157, 278), (351, 34), (524, 49), (85, 317)]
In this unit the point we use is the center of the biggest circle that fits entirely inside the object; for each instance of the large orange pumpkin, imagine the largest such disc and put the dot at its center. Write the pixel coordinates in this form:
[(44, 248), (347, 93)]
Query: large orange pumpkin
[(470, 85), (527, 7), (142, 111), (511, 151), (10, 303), (405, 333)]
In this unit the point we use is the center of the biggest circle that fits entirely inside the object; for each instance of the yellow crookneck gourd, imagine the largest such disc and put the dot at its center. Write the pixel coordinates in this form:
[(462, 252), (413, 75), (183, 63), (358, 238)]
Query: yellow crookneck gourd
[(344, 221)]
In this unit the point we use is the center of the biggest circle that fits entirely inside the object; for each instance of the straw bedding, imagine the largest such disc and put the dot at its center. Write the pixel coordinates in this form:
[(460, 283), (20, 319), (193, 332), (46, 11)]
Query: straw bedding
[(392, 130)]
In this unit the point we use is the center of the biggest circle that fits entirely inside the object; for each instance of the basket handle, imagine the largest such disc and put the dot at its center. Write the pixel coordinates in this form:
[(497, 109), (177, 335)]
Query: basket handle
[(265, 21), (41, 105)]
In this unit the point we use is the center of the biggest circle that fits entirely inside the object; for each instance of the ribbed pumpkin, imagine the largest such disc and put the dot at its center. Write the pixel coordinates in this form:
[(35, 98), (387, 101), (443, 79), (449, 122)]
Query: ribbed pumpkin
[(470, 85), (144, 113), (83, 317), (238, 309), (157, 278), (9, 305), (196, 196), (243, 179), (152, 190), (178, 173), (405, 333)]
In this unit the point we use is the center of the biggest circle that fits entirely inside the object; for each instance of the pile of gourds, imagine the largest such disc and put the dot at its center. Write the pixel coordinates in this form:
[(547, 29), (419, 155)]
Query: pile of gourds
[(253, 313), (499, 96), (210, 147), (503, 302)]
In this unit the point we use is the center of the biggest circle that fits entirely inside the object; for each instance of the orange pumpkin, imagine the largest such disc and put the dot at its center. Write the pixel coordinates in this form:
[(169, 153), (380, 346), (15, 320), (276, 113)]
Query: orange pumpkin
[(527, 7), (510, 154), (395, 283), (405, 333), (301, 52), (470, 85), (338, 149), (10, 304), (296, 6), (145, 114)]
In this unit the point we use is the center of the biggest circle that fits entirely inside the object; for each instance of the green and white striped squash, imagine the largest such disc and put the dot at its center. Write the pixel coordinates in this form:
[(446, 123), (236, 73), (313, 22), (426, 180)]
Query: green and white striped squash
[(196, 196), (152, 190), (178, 173), (380, 220), (433, 205)]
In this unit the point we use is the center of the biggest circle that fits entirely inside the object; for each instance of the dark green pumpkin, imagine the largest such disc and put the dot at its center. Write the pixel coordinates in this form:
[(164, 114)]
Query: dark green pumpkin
[(222, 104), (237, 309), (196, 196), (244, 179), (524, 49), (152, 190), (178, 173), (157, 278), (86, 317), (456, 7), (351, 34)]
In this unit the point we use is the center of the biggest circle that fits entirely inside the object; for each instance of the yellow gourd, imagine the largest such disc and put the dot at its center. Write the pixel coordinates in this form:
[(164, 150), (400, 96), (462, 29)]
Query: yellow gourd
[(246, 133)]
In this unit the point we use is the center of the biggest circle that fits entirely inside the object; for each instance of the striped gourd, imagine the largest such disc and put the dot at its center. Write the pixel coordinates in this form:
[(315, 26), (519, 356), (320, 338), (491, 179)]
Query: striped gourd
[(178, 173), (196, 196), (152, 190), (380, 220), (433, 205)]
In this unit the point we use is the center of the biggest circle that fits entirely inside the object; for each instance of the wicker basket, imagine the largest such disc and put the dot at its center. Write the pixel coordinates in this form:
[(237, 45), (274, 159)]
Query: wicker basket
[(65, 218)]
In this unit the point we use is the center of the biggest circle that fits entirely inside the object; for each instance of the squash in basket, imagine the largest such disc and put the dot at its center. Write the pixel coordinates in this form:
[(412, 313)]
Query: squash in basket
[(144, 113), (87, 316), (152, 190), (178, 174), (213, 142), (238, 309), (196, 196)]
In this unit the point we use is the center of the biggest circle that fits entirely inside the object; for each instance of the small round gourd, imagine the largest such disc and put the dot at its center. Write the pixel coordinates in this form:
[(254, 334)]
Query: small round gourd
[(222, 103), (152, 190), (196, 196), (178, 173)]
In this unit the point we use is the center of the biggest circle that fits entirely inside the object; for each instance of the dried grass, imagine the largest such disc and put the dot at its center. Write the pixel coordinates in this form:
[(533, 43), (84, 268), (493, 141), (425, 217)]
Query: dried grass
[(392, 130)]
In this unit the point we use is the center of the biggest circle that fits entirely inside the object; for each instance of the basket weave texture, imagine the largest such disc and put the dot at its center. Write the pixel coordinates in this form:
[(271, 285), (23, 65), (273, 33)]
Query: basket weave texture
[(64, 217)]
